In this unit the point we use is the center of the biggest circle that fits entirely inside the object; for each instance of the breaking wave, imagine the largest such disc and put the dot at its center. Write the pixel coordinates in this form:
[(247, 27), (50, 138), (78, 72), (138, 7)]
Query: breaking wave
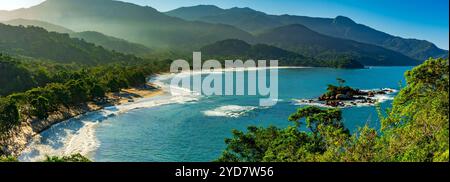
[(232, 111)]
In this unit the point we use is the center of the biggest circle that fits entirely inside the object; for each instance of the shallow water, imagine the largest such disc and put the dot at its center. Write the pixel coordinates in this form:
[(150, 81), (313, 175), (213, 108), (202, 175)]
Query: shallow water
[(193, 128)]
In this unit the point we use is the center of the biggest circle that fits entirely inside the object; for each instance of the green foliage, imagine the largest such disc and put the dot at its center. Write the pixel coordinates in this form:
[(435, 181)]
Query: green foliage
[(8, 159), (37, 42), (40, 107), (238, 49), (97, 91), (14, 76), (71, 158), (316, 117), (9, 114), (415, 129), (48, 26), (326, 48), (62, 87), (112, 43)]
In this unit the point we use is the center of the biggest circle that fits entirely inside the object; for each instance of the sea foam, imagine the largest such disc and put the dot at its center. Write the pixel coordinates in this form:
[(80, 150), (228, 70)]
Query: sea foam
[(232, 111)]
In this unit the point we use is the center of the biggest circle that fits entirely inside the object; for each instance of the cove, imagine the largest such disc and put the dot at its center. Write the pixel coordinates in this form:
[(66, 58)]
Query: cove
[(193, 128)]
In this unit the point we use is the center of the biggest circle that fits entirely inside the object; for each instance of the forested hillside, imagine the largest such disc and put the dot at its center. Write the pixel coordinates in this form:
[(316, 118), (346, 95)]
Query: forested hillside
[(38, 43), (300, 39), (237, 49), (112, 43), (108, 42)]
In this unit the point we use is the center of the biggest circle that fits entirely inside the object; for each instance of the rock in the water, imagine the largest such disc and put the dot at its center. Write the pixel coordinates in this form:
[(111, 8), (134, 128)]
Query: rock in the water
[(342, 97)]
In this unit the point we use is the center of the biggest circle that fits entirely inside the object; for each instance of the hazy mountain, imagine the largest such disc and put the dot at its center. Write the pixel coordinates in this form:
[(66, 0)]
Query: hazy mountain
[(134, 23), (112, 43), (48, 26), (238, 49), (38, 43), (341, 27), (196, 12), (98, 38), (300, 39)]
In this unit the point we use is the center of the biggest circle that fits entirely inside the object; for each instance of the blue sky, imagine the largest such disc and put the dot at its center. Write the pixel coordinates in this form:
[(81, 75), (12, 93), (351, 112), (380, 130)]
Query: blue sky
[(421, 19)]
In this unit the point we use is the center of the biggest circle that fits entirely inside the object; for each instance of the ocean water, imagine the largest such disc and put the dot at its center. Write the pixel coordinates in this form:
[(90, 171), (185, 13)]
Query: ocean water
[(193, 128)]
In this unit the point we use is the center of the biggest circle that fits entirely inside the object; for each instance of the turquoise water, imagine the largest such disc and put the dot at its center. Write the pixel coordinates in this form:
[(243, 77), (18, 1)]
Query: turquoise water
[(194, 129)]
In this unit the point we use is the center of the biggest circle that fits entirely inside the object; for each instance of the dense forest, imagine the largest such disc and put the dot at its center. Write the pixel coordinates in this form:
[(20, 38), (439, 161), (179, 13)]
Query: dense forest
[(416, 128), (238, 49), (324, 47), (38, 43), (64, 88)]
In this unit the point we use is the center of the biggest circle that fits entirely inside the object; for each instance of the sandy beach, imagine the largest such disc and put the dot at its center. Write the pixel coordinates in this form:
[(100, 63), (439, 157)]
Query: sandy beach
[(131, 94)]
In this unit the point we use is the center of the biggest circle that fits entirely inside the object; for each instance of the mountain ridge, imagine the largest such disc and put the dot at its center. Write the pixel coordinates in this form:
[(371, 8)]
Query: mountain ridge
[(233, 48), (139, 24), (300, 39), (38, 43), (340, 27), (106, 41)]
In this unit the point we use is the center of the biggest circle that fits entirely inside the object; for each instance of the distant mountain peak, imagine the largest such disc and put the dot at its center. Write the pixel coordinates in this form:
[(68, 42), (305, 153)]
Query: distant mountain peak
[(343, 20), (245, 9), (93, 4), (205, 6)]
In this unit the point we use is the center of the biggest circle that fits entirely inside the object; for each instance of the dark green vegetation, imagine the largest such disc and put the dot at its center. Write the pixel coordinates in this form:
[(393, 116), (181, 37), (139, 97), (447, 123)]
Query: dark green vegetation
[(8, 159), (416, 128), (38, 43), (71, 158), (112, 43), (47, 26), (299, 39), (66, 88), (108, 42), (340, 27), (237, 49), (341, 92)]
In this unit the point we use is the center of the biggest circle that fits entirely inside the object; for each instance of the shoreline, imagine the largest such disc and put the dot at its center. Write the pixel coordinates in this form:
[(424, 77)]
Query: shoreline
[(15, 141)]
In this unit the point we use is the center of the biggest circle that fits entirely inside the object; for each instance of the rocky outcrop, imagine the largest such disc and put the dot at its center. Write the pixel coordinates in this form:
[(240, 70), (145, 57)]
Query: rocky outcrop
[(348, 97)]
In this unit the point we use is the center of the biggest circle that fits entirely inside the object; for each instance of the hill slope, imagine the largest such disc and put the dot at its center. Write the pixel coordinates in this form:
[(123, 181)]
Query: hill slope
[(134, 23), (108, 42), (239, 49), (38, 43), (112, 43), (340, 27), (48, 26), (299, 39)]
